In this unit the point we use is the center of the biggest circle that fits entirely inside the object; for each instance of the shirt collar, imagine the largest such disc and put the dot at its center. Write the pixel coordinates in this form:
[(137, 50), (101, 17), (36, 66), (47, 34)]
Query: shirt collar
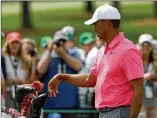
[(116, 40)]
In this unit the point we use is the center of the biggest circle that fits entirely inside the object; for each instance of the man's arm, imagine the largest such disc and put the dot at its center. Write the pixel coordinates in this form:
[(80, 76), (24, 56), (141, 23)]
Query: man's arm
[(43, 64), (71, 61), (80, 80), (137, 101)]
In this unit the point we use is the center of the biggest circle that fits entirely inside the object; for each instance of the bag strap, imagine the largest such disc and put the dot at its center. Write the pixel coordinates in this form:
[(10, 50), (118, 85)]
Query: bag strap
[(3, 66), (15, 66)]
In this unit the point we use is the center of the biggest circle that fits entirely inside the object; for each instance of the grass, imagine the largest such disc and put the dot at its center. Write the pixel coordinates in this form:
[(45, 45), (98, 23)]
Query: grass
[(47, 21)]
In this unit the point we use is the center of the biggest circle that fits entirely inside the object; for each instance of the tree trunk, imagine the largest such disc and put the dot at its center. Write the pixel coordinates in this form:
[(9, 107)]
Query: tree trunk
[(155, 8), (26, 15), (89, 6), (117, 5)]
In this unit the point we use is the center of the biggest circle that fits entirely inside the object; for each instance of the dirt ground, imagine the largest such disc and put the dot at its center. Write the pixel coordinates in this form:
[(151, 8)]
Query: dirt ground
[(146, 22)]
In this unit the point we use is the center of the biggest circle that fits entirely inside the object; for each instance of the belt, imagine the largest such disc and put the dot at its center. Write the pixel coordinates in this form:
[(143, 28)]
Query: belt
[(108, 109)]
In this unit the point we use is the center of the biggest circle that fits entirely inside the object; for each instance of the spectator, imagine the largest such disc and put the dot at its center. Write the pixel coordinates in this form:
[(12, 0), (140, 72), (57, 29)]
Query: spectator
[(17, 71), (150, 105), (56, 60), (70, 32), (30, 49), (154, 69), (145, 46), (145, 43), (44, 47), (87, 42), (3, 76), (3, 81)]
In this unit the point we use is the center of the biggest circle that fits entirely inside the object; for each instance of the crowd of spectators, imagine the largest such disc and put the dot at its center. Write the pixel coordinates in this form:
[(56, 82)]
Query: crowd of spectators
[(22, 63)]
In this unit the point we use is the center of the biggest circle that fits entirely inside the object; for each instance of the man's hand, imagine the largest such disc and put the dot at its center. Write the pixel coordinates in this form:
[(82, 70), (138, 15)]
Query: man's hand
[(53, 85), (50, 45)]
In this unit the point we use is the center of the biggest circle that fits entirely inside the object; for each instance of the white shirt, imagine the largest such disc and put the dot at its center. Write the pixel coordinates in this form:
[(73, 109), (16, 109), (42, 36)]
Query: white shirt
[(10, 73), (81, 53), (90, 58)]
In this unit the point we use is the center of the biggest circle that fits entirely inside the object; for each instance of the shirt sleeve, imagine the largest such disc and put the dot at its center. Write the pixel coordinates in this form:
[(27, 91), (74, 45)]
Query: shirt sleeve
[(132, 64)]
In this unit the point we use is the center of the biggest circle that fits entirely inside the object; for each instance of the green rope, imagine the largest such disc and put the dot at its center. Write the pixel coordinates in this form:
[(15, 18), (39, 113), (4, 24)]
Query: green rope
[(70, 111)]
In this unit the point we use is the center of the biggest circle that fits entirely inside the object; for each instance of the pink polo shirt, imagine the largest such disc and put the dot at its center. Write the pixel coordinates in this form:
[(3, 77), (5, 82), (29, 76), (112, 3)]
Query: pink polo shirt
[(115, 65)]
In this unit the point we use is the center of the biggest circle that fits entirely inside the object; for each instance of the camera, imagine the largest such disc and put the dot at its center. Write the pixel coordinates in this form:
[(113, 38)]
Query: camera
[(31, 52), (59, 38), (58, 42)]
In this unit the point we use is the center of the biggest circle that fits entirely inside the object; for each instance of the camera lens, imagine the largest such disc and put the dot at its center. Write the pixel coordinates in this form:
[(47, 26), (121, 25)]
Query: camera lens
[(31, 52)]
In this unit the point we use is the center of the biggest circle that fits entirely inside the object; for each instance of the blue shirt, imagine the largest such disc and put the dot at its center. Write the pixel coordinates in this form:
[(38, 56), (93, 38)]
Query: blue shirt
[(68, 94)]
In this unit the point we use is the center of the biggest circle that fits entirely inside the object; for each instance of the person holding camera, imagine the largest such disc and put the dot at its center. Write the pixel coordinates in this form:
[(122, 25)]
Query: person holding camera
[(88, 44), (150, 101), (30, 50), (70, 32), (16, 65), (59, 60)]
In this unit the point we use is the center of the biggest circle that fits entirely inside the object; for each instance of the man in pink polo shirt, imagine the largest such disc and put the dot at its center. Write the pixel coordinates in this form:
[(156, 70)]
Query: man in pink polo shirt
[(117, 73)]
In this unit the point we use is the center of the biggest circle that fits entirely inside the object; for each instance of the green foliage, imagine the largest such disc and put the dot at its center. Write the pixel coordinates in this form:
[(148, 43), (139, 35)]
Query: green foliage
[(47, 21)]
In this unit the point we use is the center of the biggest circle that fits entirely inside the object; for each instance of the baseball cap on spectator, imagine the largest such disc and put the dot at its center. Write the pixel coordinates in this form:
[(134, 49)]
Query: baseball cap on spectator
[(86, 38), (13, 36), (145, 39), (69, 31), (106, 12), (44, 41), (59, 35)]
